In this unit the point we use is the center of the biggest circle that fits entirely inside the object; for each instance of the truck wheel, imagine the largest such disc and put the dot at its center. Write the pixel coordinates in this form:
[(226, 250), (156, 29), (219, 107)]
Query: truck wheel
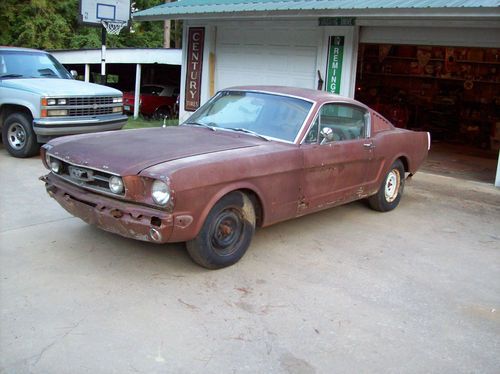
[(18, 136), (389, 194), (226, 233)]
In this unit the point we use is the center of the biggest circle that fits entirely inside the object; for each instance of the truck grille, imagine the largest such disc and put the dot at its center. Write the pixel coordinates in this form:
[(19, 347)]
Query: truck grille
[(98, 100), (88, 106), (90, 111), (92, 179)]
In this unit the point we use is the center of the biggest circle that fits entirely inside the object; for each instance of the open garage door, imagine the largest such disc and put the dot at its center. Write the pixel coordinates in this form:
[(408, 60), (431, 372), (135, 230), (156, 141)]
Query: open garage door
[(273, 55), (434, 80)]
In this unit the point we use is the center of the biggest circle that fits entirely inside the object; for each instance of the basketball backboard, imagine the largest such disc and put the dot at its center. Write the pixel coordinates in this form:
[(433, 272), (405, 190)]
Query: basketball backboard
[(93, 12)]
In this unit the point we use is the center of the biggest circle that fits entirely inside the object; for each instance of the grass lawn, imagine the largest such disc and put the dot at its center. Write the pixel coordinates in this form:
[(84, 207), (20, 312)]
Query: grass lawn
[(140, 123)]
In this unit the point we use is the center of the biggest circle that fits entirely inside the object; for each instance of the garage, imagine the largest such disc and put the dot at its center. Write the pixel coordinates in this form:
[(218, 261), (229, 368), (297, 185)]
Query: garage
[(445, 81), (427, 66)]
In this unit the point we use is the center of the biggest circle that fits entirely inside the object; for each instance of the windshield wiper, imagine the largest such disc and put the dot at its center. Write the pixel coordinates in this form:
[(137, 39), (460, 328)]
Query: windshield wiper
[(11, 75), (200, 124), (246, 131)]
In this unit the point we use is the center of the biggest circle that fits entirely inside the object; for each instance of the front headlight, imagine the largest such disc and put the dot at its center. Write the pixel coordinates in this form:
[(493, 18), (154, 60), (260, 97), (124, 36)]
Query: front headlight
[(117, 99), (160, 192), (55, 165), (116, 184)]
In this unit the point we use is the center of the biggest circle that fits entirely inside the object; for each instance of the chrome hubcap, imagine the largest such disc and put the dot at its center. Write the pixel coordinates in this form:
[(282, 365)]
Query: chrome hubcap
[(16, 136), (392, 184)]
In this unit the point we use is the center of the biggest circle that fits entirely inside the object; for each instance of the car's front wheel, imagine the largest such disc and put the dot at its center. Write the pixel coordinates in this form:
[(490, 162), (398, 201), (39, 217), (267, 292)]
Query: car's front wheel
[(226, 233), (18, 136), (389, 194)]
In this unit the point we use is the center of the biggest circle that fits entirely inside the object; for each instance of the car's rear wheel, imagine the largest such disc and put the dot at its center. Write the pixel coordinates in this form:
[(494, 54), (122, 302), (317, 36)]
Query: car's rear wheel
[(18, 136), (226, 233), (389, 194)]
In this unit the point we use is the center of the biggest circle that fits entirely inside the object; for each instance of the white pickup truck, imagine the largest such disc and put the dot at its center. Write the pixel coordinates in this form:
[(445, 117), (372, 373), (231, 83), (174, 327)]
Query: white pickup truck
[(40, 100)]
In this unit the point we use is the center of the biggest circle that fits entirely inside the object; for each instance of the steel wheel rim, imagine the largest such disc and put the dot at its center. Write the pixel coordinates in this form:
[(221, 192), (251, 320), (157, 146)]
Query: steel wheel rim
[(392, 184), (16, 136), (226, 232)]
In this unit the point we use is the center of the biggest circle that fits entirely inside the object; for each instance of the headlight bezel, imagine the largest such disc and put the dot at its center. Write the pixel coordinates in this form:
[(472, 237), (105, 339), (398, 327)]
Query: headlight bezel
[(55, 161), (162, 188), (119, 182)]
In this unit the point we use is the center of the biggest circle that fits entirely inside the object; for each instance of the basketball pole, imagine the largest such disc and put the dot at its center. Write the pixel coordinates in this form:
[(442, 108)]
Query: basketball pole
[(103, 54)]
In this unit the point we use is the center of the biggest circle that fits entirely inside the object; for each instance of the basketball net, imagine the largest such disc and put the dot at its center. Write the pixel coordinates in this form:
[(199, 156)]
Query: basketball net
[(113, 27)]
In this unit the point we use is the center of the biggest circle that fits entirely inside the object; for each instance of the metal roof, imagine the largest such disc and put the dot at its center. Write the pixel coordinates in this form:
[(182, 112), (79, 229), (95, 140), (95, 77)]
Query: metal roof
[(121, 56), (201, 8)]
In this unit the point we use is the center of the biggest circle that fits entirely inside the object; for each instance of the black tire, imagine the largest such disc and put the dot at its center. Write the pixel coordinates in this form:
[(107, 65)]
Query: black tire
[(226, 233), (389, 194), (162, 112), (18, 136)]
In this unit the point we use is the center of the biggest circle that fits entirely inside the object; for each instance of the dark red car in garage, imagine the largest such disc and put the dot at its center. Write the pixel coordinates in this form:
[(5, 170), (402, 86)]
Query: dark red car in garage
[(156, 101)]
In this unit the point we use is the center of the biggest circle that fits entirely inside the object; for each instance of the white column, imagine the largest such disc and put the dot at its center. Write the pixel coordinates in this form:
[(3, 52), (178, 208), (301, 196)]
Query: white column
[(87, 73), (497, 179), (137, 90)]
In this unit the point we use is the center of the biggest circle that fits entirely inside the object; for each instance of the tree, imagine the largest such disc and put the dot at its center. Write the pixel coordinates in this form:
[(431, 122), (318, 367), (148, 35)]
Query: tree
[(50, 24)]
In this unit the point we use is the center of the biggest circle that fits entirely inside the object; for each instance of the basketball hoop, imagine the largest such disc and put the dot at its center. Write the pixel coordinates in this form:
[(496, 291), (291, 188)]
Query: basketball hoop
[(113, 27)]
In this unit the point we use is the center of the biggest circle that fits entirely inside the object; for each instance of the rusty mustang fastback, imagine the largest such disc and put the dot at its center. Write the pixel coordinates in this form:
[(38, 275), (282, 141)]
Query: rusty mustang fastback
[(251, 156)]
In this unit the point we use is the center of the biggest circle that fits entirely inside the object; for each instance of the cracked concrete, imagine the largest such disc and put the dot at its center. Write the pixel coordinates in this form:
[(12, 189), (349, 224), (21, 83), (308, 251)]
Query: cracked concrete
[(345, 290)]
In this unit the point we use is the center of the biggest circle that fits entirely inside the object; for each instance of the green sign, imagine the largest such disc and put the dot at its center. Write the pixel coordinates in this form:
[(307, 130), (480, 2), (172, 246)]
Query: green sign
[(334, 67)]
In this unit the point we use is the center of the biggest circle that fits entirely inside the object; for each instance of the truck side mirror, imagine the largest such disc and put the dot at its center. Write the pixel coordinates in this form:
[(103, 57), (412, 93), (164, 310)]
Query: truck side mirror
[(74, 73)]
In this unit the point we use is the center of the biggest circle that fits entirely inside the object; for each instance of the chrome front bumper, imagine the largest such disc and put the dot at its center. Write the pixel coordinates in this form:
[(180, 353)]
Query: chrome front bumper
[(77, 125)]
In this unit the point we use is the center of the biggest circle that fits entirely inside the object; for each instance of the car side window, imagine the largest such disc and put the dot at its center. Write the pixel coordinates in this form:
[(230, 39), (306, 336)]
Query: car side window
[(338, 122)]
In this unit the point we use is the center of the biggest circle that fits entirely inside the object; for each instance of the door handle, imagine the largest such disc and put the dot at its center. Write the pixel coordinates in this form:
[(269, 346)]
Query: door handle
[(369, 145)]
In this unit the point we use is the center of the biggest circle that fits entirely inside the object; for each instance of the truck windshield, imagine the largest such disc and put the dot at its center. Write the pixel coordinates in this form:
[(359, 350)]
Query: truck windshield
[(27, 64)]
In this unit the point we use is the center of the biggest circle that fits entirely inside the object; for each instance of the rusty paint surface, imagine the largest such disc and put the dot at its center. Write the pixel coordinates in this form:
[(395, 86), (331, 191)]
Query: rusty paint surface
[(201, 166)]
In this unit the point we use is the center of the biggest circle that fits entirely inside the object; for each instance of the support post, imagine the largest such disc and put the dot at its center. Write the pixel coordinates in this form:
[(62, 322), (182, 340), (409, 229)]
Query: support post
[(87, 73), (497, 179), (103, 55), (137, 92)]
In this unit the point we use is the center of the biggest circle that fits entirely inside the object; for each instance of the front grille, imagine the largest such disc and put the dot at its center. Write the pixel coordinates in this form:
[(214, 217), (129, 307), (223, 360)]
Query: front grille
[(92, 179), (90, 111), (97, 100)]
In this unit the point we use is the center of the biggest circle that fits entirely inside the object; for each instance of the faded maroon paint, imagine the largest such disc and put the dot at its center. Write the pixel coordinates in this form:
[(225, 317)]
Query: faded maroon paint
[(286, 180)]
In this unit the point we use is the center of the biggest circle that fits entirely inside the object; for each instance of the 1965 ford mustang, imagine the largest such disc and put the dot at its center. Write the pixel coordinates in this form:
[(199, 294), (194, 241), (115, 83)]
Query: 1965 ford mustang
[(251, 156)]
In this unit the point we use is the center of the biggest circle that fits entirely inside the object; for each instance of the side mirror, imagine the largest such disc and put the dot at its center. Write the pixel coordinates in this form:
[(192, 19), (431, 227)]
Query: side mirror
[(74, 73), (327, 135)]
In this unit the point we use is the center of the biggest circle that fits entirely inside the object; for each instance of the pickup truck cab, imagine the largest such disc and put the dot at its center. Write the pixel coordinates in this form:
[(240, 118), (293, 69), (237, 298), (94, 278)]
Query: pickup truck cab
[(40, 100)]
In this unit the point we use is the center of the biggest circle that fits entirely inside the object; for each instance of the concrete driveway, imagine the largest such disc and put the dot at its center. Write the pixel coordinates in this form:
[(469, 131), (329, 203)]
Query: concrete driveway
[(347, 290)]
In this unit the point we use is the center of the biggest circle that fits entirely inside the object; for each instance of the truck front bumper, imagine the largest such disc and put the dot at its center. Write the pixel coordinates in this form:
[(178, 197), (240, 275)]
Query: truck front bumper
[(52, 127)]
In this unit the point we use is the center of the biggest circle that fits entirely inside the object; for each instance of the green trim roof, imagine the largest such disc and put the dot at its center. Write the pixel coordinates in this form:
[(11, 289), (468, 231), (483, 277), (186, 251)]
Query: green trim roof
[(200, 8)]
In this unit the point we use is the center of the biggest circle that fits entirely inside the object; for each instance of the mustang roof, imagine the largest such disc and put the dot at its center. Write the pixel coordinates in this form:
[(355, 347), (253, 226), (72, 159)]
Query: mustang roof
[(209, 8), (305, 93)]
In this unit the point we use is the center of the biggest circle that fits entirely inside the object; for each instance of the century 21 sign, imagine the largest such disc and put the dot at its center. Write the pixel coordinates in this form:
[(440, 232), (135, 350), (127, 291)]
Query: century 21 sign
[(196, 39), (334, 67)]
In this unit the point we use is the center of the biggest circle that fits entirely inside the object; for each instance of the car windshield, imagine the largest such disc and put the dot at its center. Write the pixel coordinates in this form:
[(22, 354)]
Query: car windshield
[(268, 115), (27, 64)]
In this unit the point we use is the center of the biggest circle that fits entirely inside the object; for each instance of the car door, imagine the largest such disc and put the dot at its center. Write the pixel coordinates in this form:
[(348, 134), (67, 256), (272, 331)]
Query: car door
[(336, 154)]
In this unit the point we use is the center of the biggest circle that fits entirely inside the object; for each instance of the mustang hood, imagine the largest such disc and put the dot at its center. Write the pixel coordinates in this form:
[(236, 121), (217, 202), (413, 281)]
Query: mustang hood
[(59, 87), (131, 151)]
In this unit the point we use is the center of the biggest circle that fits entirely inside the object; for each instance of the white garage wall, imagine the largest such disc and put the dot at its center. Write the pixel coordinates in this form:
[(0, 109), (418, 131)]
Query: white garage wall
[(273, 53)]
